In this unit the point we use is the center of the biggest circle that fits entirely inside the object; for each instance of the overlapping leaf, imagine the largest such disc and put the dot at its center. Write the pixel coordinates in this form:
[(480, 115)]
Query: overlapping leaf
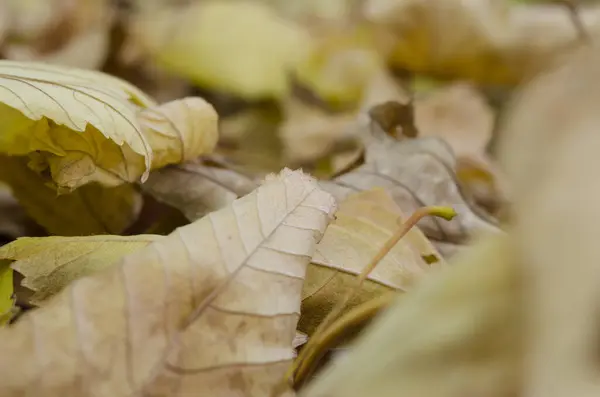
[(364, 222), (49, 264), (416, 173), (82, 126), (210, 309), (91, 209)]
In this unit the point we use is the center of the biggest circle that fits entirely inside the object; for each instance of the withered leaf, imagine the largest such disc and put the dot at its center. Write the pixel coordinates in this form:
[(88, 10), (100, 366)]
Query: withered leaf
[(364, 222), (209, 310), (49, 264), (416, 172), (91, 209), (196, 189)]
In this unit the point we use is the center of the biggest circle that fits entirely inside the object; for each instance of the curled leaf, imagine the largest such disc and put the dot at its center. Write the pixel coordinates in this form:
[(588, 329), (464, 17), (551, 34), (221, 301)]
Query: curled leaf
[(211, 309), (82, 126), (91, 209), (49, 264)]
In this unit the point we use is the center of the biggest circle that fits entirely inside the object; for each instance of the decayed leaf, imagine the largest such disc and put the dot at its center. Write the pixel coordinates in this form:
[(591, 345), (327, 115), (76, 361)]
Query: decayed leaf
[(197, 189), (210, 309), (82, 126), (364, 222), (240, 47), (49, 264), (91, 209), (6, 292), (488, 41), (457, 333), (416, 173)]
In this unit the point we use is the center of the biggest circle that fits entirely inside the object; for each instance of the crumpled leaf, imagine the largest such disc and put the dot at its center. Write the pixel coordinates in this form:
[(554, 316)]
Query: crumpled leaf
[(91, 209), (49, 264), (416, 173), (457, 333), (6, 292), (197, 189), (82, 126), (239, 47), (59, 31), (491, 41), (364, 222), (210, 309)]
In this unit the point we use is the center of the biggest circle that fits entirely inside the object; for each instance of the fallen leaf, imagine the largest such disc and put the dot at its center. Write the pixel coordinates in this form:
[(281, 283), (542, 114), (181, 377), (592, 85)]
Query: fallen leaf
[(364, 222), (416, 173), (238, 47), (49, 264), (197, 189), (210, 309), (6, 292), (82, 126), (457, 333), (491, 42), (91, 209)]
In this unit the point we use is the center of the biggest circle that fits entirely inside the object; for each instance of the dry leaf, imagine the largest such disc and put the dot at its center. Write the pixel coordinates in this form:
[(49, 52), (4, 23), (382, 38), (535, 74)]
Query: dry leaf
[(197, 189), (91, 209), (210, 309), (489, 41), (238, 47), (49, 264), (364, 222), (416, 173), (457, 333), (82, 126)]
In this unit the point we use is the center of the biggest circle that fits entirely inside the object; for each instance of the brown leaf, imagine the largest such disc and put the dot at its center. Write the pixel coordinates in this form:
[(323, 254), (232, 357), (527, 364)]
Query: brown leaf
[(210, 309), (416, 173), (364, 222), (197, 189)]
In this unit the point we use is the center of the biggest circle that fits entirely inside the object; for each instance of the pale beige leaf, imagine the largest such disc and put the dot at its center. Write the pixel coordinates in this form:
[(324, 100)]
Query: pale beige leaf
[(197, 189), (364, 222), (91, 209), (455, 334), (209, 310), (416, 173), (49, 264)]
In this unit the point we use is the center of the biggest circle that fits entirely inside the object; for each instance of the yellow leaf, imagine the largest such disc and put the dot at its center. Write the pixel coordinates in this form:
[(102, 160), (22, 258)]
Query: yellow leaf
[(209, 310), (49, 264), (82, 126), (6, 292), (457, 333), (239, 47), (364, 222), (91, 209)]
